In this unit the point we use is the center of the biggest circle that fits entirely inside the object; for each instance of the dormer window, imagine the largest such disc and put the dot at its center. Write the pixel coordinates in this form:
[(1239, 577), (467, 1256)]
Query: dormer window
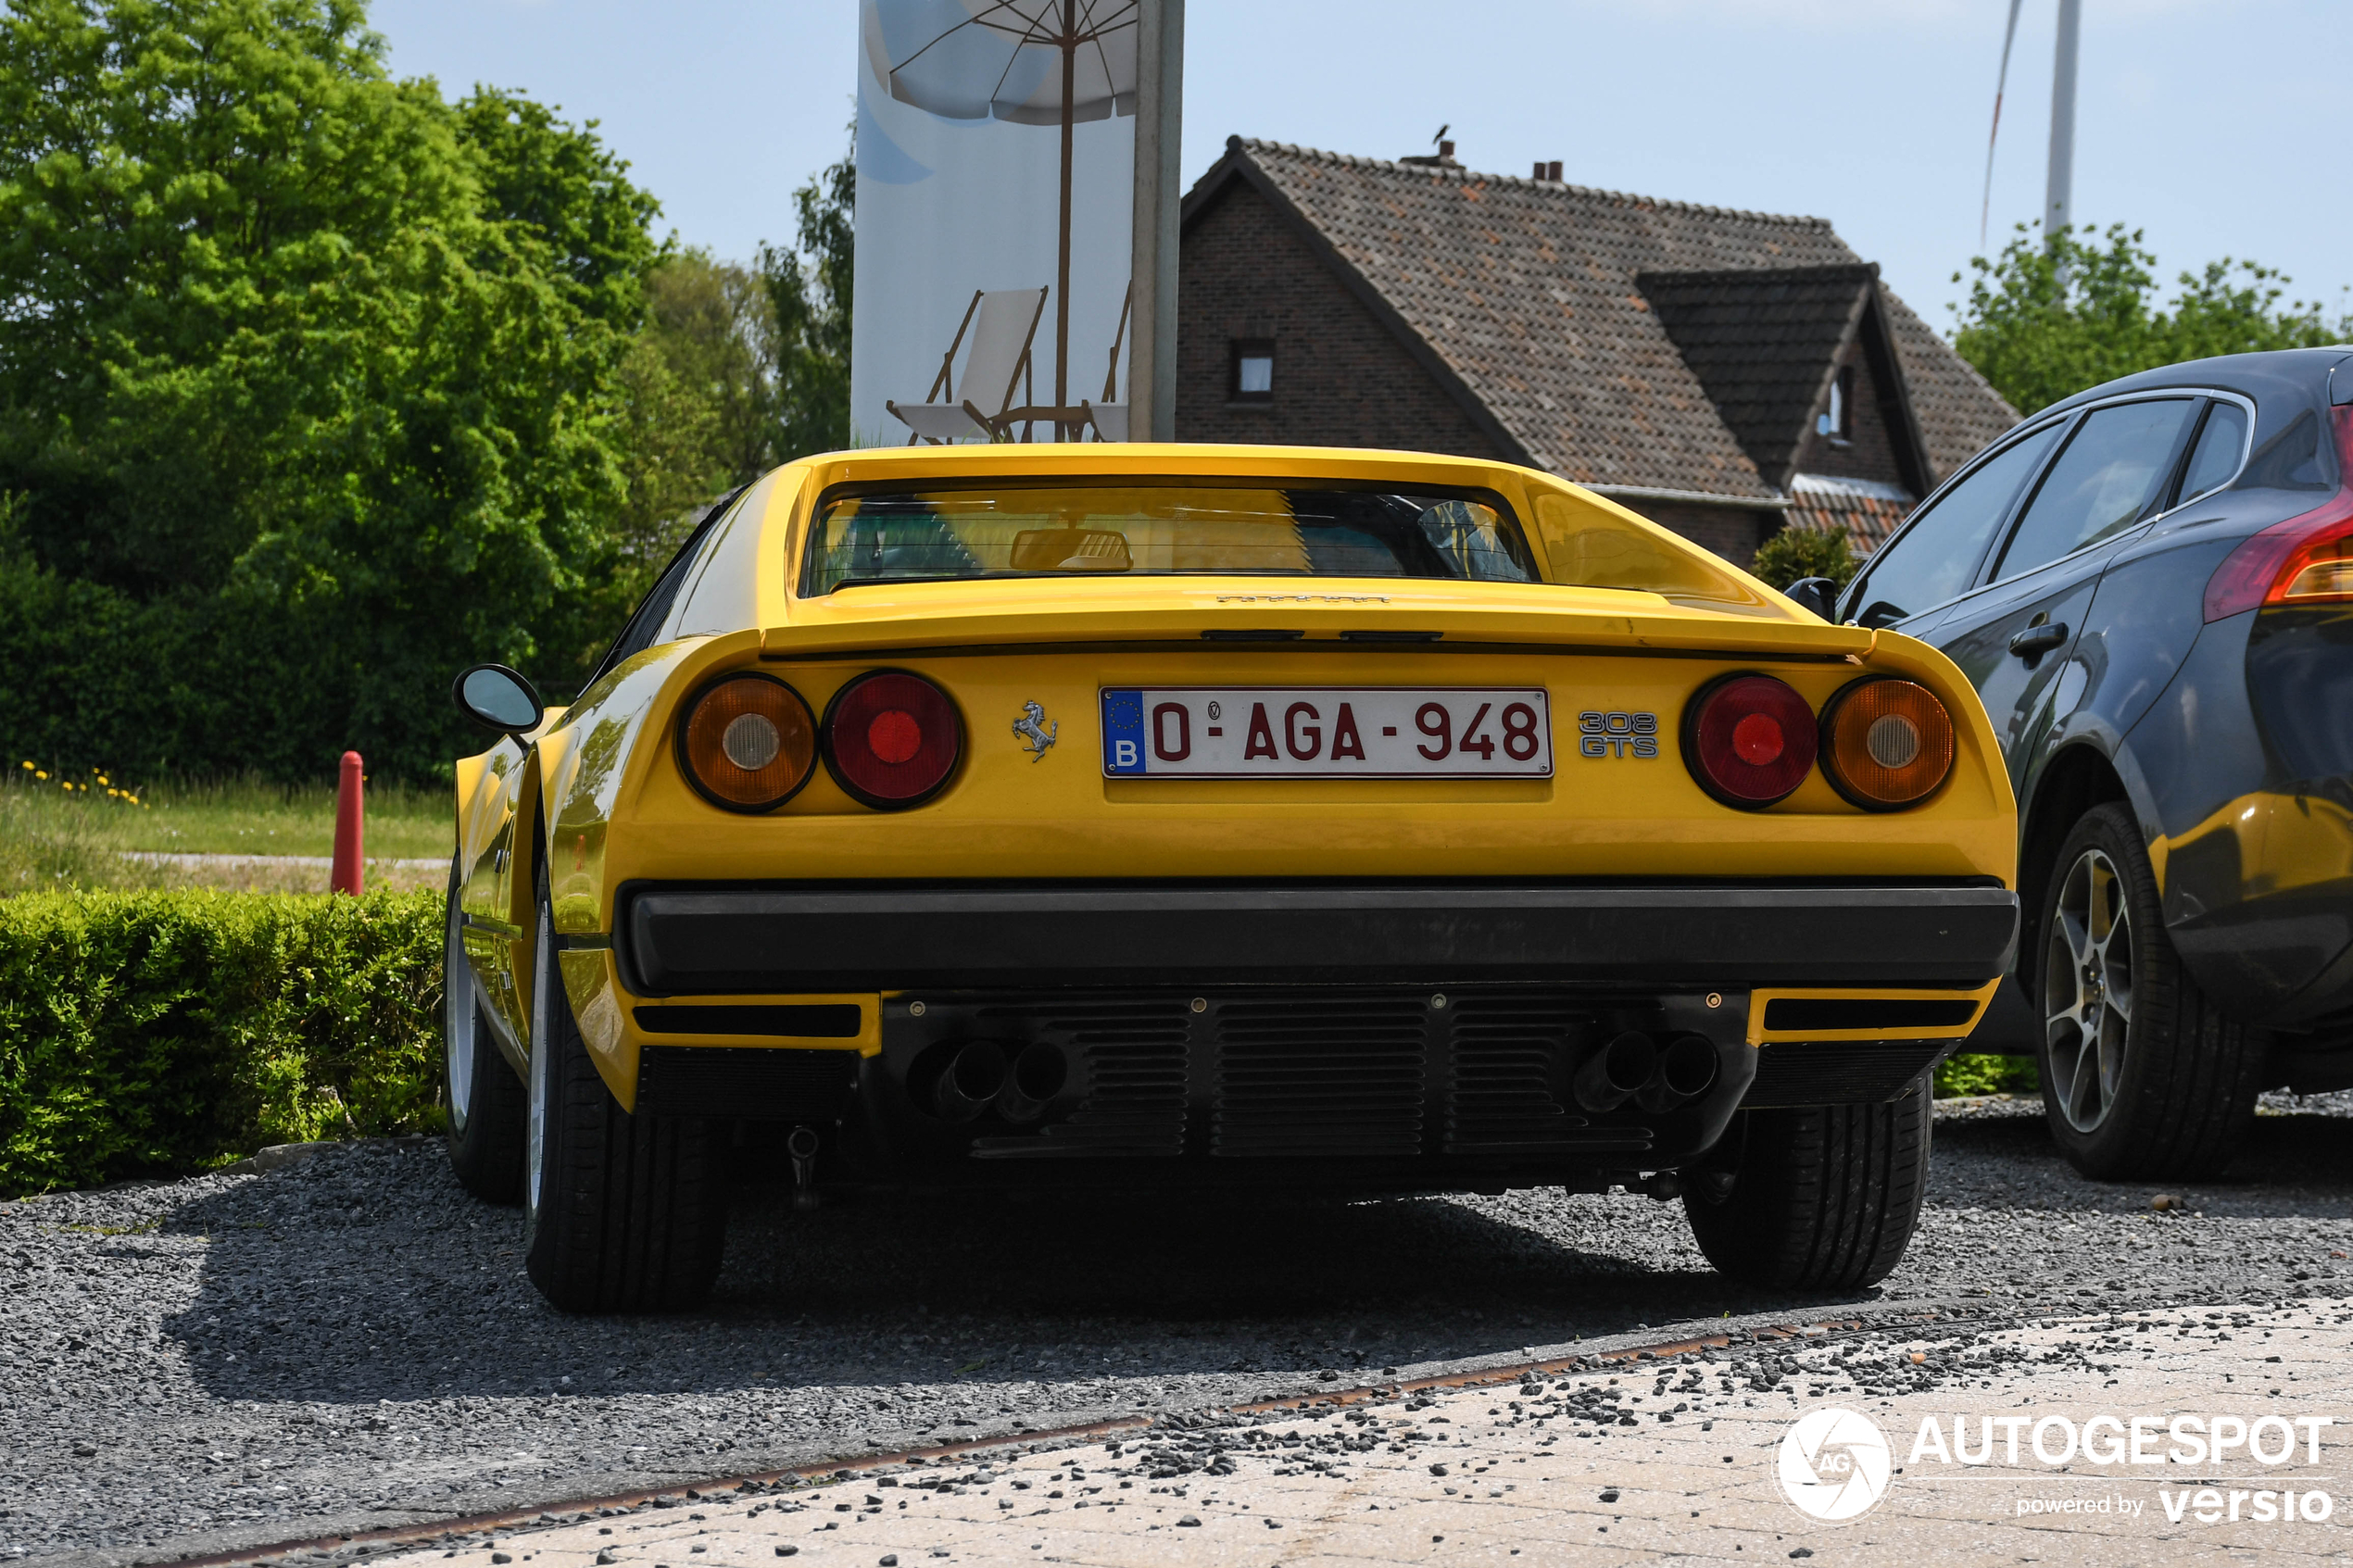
[(1837, 421), (1254, 372)]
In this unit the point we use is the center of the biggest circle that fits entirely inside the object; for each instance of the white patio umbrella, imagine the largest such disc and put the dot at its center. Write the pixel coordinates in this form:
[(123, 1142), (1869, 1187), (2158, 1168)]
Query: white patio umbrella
[(1033, 62)]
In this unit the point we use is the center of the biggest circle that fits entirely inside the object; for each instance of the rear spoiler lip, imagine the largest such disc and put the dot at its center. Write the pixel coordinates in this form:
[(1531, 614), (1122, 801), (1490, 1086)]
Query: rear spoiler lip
[(1450, 644)]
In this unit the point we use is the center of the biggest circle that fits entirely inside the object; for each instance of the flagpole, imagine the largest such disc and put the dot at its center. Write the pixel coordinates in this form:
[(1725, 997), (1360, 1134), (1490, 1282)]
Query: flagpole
[(2058, 194)]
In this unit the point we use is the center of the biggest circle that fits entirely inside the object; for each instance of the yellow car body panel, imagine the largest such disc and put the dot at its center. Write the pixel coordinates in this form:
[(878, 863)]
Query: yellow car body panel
[(612, 808)]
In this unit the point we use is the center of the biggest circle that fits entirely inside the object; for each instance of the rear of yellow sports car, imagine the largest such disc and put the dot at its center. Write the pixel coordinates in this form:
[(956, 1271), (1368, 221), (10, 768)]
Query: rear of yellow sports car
[(982, 817)]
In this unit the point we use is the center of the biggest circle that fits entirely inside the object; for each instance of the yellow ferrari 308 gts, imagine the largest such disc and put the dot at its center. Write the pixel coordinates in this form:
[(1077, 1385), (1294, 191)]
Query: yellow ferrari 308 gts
[(1216, 816)]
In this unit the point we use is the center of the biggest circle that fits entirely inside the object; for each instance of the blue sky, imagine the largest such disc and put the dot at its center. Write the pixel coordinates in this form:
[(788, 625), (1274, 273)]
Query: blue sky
[(2219, 126)]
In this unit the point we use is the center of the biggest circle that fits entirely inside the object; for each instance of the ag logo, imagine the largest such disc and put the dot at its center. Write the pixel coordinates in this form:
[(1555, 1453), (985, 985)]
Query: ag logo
[(1834, 1465)]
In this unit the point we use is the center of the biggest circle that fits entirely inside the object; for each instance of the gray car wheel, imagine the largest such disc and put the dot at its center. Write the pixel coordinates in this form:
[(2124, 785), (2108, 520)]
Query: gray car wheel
[(2142, 1076)]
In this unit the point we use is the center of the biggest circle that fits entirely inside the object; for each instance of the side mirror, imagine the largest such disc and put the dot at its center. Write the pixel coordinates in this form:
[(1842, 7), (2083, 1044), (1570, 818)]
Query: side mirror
[(1817, 594), (498, 699)]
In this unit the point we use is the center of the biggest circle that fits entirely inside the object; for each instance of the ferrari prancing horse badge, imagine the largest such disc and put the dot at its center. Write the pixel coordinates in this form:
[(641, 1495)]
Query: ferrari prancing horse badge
[(1036, 733)]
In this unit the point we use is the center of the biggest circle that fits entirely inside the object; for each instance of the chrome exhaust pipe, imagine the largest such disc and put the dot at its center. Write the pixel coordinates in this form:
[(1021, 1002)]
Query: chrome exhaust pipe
[(1038, 1076), (974, 1077), (1612, 1075), (1686, 1068)]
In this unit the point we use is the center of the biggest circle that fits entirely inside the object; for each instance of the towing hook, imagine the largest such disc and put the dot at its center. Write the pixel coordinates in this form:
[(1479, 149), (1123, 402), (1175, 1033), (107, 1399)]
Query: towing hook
[(802, 1144)]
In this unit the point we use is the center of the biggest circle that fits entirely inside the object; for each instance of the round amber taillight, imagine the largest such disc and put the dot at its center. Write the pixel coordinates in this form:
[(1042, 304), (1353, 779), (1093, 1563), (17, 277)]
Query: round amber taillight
[(1749, 740), (748, 743), (1889, 744), (892, 739)]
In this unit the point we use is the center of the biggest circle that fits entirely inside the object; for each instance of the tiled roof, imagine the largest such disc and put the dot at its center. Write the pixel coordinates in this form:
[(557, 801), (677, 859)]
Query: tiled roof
[(1869, 520), (1525, 290), (1761, 339), (1958, 411)]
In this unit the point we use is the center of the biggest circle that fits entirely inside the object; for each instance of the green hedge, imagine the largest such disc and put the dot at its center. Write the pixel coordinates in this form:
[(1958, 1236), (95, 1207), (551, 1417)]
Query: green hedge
[(157, 1034), (1987, 1075)]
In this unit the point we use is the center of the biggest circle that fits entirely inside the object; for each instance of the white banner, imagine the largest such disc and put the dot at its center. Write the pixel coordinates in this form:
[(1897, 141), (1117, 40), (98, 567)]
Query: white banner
[(973, 116)]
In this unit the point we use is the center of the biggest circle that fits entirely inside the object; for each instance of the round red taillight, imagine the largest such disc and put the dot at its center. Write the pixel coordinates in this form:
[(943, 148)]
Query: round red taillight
[(892, 739), (748, 743), (1749, 740)]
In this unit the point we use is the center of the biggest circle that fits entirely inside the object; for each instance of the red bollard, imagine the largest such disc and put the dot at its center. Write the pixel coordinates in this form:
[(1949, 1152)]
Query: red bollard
[(345, 878)]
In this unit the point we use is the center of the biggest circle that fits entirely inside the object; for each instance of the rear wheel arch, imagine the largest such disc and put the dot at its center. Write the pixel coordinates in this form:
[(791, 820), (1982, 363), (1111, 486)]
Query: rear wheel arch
[(2076, 778)]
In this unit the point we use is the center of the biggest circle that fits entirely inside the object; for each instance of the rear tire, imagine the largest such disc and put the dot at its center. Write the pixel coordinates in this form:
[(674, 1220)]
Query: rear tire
[(484, 1098), (621, 1213), (2142, 1077), (1823, 1199)]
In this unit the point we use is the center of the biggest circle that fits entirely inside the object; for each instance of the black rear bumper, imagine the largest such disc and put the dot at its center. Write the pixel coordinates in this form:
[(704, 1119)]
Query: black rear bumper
[(718, 939)]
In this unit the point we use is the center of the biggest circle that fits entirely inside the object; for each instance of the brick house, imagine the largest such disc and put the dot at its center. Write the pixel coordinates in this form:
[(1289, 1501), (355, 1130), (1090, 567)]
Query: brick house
[(1722, 373)]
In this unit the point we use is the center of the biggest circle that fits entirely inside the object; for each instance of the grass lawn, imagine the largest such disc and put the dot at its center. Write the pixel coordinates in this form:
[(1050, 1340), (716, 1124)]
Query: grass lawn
[(51, 837)]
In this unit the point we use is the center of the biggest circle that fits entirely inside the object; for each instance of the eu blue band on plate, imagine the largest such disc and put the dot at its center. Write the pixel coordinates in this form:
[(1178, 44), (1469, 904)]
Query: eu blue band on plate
[(1124, 731)]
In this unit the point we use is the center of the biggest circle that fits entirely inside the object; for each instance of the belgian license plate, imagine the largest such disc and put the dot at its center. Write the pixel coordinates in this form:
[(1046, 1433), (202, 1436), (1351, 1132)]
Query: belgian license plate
[(1327, 733)]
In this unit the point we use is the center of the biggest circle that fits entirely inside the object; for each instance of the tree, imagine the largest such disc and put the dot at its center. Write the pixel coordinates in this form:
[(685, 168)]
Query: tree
[(2043, 321), (1804, 552), (307, 378), (698, 385), (811, 292)]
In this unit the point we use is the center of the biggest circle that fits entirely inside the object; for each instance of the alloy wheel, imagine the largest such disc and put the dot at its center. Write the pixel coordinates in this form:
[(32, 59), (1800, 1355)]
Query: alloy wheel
[(2087, 990)]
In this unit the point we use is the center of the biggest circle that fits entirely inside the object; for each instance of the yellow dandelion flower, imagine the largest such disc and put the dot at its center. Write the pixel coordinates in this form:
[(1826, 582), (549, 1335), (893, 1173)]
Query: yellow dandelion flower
[(27, 767), (39, 774), (103, 780)]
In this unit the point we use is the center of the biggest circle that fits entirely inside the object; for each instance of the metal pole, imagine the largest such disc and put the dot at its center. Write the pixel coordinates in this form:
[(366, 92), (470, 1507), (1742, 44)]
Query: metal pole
[(1160, 96), (1061, 275), (2058, 196)]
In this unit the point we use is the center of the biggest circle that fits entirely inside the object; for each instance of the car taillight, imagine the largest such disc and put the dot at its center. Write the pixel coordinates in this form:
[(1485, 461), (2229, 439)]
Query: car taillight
[(748, 743), (1889, 744), (892, 739), (1749, 740), (2308, 559)]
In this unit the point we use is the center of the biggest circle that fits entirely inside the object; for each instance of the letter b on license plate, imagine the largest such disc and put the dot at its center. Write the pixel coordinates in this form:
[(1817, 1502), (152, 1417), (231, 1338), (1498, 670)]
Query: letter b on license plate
[(1326, 732)]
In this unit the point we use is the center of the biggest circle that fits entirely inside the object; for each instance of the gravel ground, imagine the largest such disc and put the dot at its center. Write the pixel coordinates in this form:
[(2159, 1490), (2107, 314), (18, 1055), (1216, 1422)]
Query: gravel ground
[(350, 1342)]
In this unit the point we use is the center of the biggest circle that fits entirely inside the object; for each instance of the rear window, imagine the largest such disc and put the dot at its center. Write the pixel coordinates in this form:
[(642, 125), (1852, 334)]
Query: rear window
[(1044, 530)]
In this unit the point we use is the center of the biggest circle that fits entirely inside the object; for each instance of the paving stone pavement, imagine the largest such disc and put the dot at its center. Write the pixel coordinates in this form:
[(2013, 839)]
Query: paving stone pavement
[(1678, 1458)]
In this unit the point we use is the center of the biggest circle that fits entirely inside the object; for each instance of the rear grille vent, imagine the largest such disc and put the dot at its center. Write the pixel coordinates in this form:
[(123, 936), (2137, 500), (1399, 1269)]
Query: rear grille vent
[(1131, 1053), (1868, 1012), (1335, 1076), (1511, 1061), (1321, 1076)]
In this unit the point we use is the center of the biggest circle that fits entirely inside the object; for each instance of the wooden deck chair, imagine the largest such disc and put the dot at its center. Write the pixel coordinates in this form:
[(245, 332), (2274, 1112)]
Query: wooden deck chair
[(1001, 323), (1110, 418)]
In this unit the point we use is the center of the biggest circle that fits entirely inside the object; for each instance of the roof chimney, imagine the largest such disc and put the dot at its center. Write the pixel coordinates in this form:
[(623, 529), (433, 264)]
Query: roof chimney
[(1442, 158)]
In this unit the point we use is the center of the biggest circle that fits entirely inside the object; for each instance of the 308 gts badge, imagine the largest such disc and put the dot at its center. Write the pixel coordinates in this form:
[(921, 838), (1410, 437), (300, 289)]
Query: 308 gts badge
[(1036, 732), (1618, 734)]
